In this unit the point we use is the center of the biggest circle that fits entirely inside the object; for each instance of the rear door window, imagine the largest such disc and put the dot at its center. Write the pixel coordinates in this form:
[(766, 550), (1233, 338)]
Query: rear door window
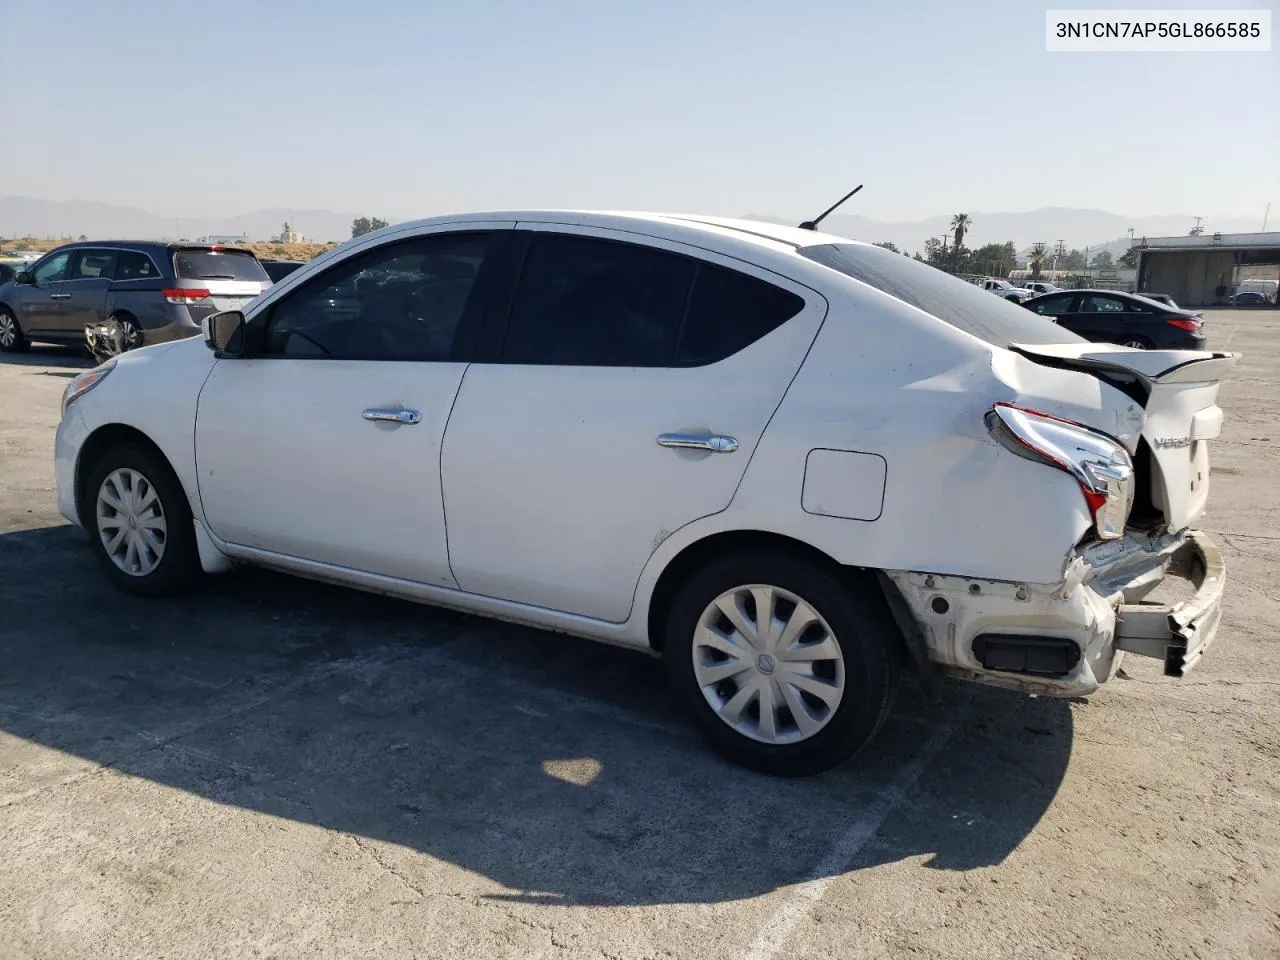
[(993, 319), (135, 265), (1100, 303), (218, 265), (586, 301)]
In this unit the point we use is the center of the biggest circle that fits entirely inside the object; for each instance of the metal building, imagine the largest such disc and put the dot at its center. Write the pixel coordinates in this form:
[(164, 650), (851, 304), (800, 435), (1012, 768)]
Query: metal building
[(1208, 269)]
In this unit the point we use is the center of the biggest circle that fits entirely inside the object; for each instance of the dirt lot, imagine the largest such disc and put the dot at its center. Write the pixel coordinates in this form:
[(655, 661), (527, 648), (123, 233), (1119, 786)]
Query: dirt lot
[(277, 769)]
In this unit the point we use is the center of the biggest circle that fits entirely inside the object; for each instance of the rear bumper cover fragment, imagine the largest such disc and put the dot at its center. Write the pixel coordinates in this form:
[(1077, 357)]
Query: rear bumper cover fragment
[(1178, 633)]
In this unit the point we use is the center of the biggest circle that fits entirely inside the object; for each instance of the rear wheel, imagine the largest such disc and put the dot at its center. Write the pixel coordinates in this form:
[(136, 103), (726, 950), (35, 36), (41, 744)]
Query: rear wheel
[(130, 332), (1138, 343), (786, 664), (139, 522), (12, 339)]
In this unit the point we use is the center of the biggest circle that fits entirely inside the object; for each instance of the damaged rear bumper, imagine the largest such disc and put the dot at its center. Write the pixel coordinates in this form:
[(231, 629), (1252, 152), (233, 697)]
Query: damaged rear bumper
[(1065, 639), (1178, 633)]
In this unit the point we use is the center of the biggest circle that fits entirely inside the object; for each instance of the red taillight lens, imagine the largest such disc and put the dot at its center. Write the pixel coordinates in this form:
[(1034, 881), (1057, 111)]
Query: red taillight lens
[(1194, 323), (184, 295)]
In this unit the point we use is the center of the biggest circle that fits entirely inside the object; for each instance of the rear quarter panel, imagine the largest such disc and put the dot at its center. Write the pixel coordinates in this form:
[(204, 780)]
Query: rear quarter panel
[(140, 299), (888, 380)]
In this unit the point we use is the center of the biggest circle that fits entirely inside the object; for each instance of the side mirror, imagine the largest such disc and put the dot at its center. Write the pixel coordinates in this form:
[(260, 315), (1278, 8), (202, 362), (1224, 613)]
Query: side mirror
[(224, 333), (22, 276)]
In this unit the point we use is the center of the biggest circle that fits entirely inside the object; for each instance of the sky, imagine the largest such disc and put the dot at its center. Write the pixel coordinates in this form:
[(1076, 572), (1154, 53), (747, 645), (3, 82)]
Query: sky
[(404, 109)]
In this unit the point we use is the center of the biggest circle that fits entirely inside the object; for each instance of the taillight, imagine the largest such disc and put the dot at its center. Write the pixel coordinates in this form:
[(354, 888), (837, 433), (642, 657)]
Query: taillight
[(1190, 323), (1099, 464), (183, 295)]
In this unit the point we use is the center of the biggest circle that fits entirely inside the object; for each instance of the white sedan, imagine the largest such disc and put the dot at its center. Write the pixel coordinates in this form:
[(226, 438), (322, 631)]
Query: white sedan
[(787, 462)]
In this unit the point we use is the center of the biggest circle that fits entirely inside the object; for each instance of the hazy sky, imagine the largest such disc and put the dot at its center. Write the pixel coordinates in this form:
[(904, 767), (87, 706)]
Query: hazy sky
[(402, 109)]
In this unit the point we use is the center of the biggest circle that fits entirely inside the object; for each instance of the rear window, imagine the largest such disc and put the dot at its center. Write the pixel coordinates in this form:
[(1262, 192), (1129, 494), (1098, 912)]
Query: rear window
[(217, 265), (969, 308)]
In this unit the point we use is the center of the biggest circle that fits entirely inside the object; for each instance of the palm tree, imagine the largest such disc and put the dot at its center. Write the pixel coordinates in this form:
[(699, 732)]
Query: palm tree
[(1038, 252), (960, 223)]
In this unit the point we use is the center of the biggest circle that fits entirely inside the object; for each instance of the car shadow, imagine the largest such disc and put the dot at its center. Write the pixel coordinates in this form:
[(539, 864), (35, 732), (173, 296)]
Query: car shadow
[(556, 767), (75, 358)]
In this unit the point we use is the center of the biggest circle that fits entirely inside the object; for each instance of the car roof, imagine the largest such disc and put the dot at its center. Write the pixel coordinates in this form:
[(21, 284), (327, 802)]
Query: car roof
[(762, 233), (145, 245)]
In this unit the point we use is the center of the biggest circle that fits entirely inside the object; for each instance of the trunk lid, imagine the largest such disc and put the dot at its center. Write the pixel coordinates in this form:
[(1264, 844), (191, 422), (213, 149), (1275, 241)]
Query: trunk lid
[(1178, 390)]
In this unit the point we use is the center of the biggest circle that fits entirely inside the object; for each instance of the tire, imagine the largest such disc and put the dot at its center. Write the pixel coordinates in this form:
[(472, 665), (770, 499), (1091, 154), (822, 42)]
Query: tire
[(851, 613), (130, 332), (1138, 343), (12, 339), (140, 468)]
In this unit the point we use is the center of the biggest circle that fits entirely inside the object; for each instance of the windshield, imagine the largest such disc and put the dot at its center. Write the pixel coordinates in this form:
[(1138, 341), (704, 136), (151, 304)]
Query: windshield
[(969, 308), (218, 265)]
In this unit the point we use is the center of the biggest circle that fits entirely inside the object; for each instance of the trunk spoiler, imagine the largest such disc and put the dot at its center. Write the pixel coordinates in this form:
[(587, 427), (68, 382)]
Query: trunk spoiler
[(1149, 366)]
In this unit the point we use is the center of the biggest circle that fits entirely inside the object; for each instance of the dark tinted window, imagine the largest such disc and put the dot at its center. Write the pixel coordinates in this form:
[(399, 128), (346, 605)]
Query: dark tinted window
[(53, 269), (1053, 306), (728, 311), (963, 305), (1101, 303), (132, 265), (217, 265), (93, 265), (400, 301), (279, 269), (585, 301)]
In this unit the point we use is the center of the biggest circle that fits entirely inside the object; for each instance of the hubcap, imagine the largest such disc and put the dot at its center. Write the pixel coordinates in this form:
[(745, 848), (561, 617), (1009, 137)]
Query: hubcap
[(7, 333), (131, 522), (1137, 344), (768, 664)]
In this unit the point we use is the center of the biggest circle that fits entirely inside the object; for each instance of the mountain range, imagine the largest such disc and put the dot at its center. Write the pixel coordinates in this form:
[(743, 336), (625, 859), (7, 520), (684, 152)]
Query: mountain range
[(25, 216)]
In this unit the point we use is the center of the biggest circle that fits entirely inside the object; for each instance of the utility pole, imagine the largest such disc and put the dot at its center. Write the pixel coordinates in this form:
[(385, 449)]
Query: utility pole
[(1197, 229), (1059, 251), (1265, 217)]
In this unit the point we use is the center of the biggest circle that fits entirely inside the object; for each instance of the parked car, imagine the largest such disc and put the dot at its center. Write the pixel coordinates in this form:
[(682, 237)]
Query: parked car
[(1040, 286), (1108, 316), (154, 292), (277, 270), (1250, 298), (1164, 298), (702, 438), (1002, 288)]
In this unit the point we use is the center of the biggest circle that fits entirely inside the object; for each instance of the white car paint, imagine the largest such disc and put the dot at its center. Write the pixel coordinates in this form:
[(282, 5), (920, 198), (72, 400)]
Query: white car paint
[(539, 495)]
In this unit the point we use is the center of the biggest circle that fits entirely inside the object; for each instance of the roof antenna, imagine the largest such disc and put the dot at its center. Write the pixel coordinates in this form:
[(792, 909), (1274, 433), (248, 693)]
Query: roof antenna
[(813, 224)]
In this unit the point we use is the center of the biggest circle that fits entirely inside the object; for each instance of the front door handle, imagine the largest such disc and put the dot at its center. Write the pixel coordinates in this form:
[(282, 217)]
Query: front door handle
[(687, 441), (392, 415), (59, 296)]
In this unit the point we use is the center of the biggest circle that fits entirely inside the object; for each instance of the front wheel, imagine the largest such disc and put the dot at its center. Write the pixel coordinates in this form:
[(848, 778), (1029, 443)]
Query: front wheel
[(787, 665), (12, 339), (140, 523)]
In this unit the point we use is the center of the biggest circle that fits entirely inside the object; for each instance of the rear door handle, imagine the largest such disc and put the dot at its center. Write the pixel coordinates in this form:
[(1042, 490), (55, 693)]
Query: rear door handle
[(392, 415), (59, 296), (687, 441)]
